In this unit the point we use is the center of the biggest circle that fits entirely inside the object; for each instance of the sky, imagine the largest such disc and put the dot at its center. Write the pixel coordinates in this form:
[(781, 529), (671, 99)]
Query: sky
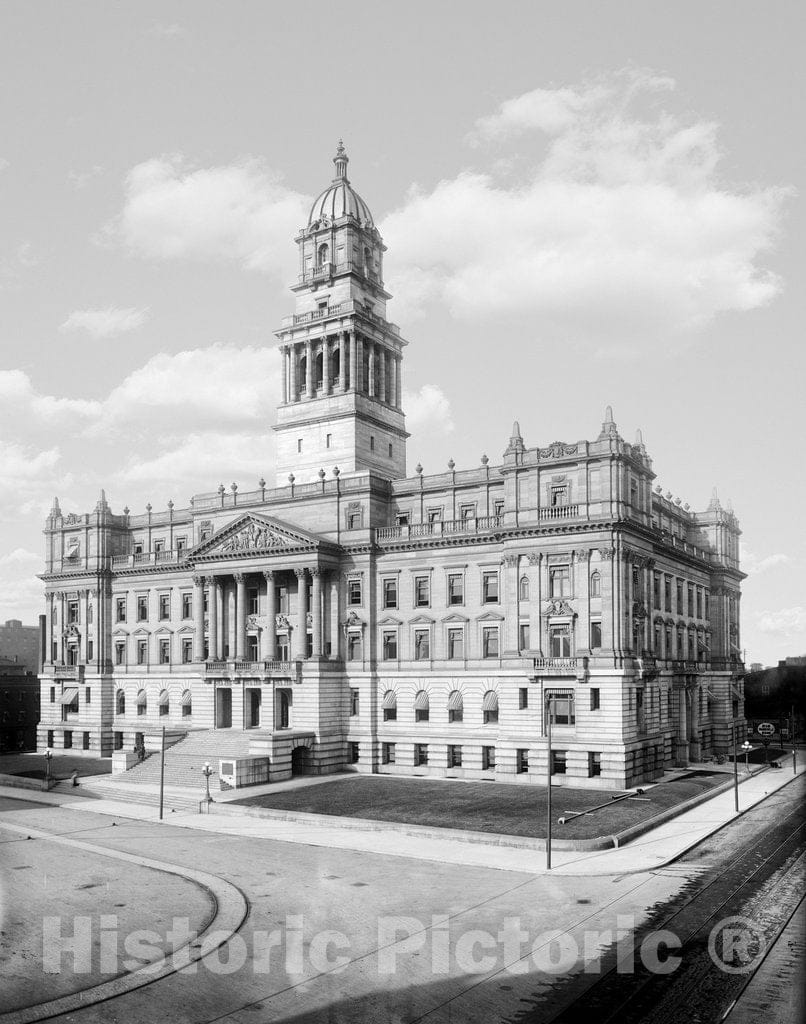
[(585, 204)]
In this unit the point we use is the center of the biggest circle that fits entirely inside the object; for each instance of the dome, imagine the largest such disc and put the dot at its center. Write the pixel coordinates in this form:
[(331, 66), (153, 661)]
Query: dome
[(340, 199)]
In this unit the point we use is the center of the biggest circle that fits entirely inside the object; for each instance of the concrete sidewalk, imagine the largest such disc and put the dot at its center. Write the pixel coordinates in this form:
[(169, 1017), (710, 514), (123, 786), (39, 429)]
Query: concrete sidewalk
[(655, 848)]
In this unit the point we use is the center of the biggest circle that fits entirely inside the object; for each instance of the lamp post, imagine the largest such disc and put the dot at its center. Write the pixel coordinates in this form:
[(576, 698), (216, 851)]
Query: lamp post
[(548, 712), (747, 747), (735, 767), (207, 772), (48, 756)]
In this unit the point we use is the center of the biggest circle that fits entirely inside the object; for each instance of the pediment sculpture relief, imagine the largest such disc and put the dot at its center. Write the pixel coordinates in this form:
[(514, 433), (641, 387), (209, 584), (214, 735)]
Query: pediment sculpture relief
[(254, 537)]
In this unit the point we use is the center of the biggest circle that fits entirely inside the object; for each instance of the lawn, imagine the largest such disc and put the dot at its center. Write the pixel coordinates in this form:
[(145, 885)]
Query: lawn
[(484, 806), (62, 766)]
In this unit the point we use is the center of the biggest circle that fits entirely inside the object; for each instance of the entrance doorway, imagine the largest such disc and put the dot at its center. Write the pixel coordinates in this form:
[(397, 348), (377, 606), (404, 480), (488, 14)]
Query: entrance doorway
[(252, 708), (223, 708), (283, 716), (300, 761)]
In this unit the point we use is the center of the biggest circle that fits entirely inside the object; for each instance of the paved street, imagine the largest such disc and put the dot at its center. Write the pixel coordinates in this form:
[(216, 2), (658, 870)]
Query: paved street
[(345, 935)]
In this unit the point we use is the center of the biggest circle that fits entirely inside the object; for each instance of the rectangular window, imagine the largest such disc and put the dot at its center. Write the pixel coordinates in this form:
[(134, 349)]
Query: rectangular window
[(489, 642), (118, 738), (282, 600), (50, 737), (390, 645), (434, 515), (454, 756), (559, 581), (390, 714), (596, 634), (390, 593), (72, 611), (120, 652), (667, 594), (53, 695), (299, 445), (252, 648), (523, 698), (487, 758), (402, 518), (456, 643), (456, 588), (68, 739), (699, 602), (354, 702), (420, 754), (187, 650), (422, 591), (391, 450), (522, 761), (87, 695), (353, 752), (165, 652), (328, 440), (690, 596), (142, 608), (562, 710), (353, 520), (656, 590), (372, 442), (354, 592), (498, 508), (181, 544), (354, 647), (560, 641), (253, 600), (138, 547), (559, 495), (142, 652), (489, 588), (187, 606), (558, 762), (594, 763), (90, 650), (159, 545), (594, 698), (422, 645), (679, 588), (387, 753), (467, 512), (524, 638), (165, 606)]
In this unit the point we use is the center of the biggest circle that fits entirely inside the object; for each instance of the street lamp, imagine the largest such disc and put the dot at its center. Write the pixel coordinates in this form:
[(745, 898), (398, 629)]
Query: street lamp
[(207, 772), (48, 756), (549, 711), (747, 747)]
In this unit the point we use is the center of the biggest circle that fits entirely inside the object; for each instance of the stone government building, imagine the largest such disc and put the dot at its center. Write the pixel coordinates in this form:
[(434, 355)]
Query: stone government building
[(356, 616)]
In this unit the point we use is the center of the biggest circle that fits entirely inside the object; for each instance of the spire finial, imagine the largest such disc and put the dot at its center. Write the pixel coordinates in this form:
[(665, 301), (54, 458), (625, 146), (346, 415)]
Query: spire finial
[(609, 428), (341, 160)]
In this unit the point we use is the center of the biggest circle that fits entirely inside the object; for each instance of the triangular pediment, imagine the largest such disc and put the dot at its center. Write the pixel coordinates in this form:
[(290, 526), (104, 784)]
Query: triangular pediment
[(252, 534)]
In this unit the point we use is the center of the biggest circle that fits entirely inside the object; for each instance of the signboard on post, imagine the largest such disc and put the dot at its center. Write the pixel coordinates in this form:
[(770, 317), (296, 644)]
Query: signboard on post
[(766, 729)]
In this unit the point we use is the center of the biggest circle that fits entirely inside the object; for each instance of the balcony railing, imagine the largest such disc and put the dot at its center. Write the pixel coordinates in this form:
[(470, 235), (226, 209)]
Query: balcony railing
[(75, 672), (559, 666), (407, 531), (559, 512), (251, 668), (148, 558)]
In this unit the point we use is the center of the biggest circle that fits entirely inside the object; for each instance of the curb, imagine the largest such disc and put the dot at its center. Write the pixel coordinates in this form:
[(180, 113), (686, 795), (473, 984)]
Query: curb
[(231, 909)]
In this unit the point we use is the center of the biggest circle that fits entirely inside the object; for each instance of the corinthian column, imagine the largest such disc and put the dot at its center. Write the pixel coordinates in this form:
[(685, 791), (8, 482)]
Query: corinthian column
[(198, 618), (301, 638), (270, 632), (309, 369), (398, 395), (293, 373), (326, 366), (371, 370), (353, 362), (240, 616), (382, 373), (316, 624), (343, 361), (212, 612)]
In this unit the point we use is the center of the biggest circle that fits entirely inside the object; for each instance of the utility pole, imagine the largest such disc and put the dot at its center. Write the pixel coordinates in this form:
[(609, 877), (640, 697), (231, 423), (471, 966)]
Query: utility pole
[(735, 767), (792, 729), (162, 770), (548, 787)]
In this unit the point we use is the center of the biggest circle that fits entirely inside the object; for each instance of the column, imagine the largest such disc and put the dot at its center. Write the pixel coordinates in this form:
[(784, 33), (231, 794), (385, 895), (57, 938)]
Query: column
[(382, 354), (83, 599), (360, 384), (270, 632), (212, 613), (316, 610), (309, 369), (63, 625), (398, 394), (285, 374), (342, 361), (301, 637), (353, 361), (198, 618), (326, 366), (240, 616), (371, 370), (49, 628), (334, 616), (293, 367)]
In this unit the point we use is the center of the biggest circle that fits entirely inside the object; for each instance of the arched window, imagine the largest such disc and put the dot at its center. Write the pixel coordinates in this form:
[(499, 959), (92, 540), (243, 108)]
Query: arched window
[(596, 584), (456, 706), (489, 707), (165, 703), (524, 588), (323, 254), (120, 702), (89, 613), (389, 706), (187, 704), (368, 260), (318, 371), (421, 706), (142, 702)]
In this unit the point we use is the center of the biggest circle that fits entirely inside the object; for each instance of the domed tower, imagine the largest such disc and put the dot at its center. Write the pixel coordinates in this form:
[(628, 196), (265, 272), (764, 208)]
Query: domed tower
[(341, 397)]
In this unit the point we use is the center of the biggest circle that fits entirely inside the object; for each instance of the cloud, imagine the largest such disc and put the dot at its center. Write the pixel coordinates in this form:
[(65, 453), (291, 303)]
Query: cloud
[(80, 179), (783, 621), (241, 212), (754, 566), (20, 398), (21, 595), (104, 323), (168, 31), (428, 410), (203, 460), (612, 220), (26, 256)]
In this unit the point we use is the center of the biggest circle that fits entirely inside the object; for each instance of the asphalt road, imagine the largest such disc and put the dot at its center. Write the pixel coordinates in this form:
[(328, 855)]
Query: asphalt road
[(340, 936)]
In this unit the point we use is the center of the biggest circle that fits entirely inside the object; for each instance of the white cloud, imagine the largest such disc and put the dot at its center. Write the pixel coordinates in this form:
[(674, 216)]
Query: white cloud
[(21, 593), (26, 255), (202, 461), (104, 323), (241, 212), (19, 397), (80, 179), (783, 621), (428, 410), (754, 566), (619, 225), (168, 31)]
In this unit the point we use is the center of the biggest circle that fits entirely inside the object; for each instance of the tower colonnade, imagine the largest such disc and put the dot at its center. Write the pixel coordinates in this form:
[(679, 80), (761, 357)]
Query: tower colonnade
[(340, 363)]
